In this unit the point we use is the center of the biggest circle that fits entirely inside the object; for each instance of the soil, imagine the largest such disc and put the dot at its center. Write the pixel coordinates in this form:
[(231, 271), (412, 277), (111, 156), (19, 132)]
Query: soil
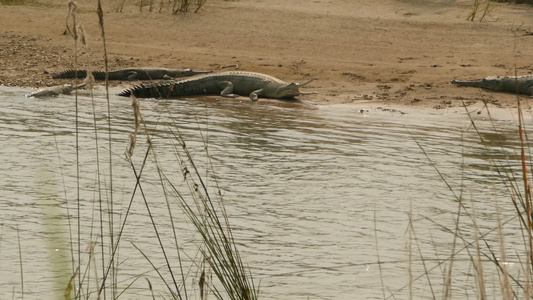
[(402, 52)]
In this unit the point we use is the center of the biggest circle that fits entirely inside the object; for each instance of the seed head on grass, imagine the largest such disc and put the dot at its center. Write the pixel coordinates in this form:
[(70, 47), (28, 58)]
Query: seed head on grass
[(133, 142), (72, 6), (136, 125), (136, 113)]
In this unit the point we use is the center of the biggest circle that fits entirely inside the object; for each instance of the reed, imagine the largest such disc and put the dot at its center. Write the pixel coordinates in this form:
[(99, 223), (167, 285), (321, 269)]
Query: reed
[(74, 34), (204, 208), (480, 8), (96, 267), (482, 252), (209, 217), (20, 265)]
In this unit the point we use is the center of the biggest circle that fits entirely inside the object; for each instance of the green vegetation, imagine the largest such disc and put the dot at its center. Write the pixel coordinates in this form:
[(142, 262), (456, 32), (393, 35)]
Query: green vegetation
[(479, 245), (218, 252)]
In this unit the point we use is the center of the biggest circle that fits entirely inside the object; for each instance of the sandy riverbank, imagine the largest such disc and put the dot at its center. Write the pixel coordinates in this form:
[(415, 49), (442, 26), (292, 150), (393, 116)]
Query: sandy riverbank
[(391, 52)]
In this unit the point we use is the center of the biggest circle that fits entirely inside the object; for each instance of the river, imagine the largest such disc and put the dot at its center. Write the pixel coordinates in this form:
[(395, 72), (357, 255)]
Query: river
[(320, 198)]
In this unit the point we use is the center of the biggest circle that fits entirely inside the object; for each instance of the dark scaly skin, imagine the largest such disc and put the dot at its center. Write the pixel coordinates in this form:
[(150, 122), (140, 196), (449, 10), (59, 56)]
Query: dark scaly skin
[(225, 84), (132, 74)]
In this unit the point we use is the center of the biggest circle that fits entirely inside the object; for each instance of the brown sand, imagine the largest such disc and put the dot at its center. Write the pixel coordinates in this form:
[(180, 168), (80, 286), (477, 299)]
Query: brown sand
[(380, 51)]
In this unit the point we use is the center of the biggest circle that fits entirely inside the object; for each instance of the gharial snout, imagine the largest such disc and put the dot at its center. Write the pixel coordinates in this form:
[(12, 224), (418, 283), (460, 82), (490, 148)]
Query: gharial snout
[(296, 87)]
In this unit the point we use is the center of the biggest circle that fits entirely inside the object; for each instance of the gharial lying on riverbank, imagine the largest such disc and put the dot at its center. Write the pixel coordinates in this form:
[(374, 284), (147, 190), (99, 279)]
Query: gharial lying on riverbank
[(53, 91), (226, 84), (510, 84), (132, 74)]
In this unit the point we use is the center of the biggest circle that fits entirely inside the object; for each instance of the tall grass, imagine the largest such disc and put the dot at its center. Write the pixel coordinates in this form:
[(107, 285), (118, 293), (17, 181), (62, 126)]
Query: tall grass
[(20, 264), (482, 252), (219, 253), (210, 219), (205, 210)]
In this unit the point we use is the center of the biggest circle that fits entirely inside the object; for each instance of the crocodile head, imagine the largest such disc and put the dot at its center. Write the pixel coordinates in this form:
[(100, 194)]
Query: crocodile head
[(292, 90)]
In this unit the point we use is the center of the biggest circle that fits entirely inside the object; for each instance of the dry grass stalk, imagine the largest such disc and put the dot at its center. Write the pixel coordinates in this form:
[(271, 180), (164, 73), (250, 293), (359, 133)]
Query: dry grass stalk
[(81, 35), (113, 246), (70, 285), (92, 259), (72, 7), (477, 262), (377, 254), (133, 142), (218, 249), (136, 113), (71, 29), (527, 189), (410, 250), (500, 263), (20, 265), (527, 192), (150, 288), (89, 81), (137, 124), (507, 292), (527, 289)]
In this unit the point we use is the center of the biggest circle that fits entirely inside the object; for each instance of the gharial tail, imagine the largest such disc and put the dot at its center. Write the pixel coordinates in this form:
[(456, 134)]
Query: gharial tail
[(71, 74), (161, 89), (189, 72), (473, 83)]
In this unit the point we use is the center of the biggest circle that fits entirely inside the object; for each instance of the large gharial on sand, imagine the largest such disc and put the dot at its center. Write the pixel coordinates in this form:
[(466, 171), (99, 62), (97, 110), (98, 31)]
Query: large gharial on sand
[(226, 84), (509, 84), (53, 91), (132, 74)]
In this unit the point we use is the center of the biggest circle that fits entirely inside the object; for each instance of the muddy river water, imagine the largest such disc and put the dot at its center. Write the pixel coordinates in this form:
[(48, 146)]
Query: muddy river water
[(319, 198)]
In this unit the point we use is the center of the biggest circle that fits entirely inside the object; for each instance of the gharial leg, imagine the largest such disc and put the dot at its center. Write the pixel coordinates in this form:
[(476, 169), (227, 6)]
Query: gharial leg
[(227, 89), (255, 95)]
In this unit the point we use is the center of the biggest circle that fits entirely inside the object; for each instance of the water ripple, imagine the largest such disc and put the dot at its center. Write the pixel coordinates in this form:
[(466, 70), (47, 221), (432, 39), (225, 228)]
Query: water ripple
[(306, 188)]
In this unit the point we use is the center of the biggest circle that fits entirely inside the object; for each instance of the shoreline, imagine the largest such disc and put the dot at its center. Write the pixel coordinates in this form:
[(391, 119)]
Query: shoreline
[(391, 52)]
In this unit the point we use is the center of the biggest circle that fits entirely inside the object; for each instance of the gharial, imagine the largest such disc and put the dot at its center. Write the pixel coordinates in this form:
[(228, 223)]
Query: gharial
[(132, 74), (510, 84), (226, 84), (53, 91)]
